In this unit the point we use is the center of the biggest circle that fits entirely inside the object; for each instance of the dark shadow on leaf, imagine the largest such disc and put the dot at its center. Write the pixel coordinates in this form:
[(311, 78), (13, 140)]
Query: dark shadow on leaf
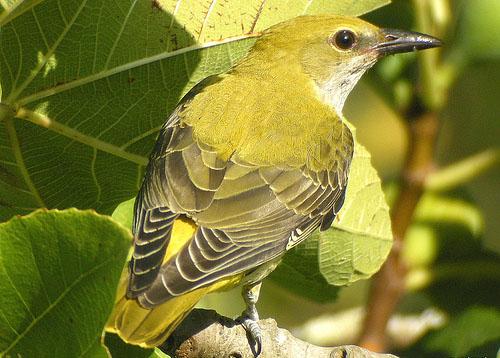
[(109, 78)]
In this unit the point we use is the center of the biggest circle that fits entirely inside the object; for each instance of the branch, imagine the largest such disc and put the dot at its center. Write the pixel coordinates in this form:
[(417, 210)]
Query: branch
[(429, 97), (204, 333), (389, 283)]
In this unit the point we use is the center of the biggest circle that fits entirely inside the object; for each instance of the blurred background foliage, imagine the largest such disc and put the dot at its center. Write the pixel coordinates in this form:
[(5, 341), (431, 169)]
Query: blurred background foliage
[(452, 306)]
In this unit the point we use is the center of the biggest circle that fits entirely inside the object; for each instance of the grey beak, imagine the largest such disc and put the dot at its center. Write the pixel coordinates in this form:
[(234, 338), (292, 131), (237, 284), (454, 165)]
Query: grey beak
[(398, 41)]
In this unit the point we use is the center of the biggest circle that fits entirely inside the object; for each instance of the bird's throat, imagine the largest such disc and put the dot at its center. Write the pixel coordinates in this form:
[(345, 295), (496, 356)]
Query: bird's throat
[(334, 90)]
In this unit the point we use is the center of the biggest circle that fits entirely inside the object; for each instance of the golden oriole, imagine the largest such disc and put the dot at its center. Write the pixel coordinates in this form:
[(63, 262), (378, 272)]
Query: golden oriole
[(248, 165)]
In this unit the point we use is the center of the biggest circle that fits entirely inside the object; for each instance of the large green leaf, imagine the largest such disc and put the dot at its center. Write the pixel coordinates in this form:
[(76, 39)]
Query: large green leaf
[(361, 237), (58, 276), (91, 81)]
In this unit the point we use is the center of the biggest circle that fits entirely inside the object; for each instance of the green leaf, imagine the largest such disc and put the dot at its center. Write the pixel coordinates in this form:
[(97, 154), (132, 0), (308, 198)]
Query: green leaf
[(472, 328), (439, 218), (93, 80), (361, 237), (124, 213), (58, 276), (299, 273)]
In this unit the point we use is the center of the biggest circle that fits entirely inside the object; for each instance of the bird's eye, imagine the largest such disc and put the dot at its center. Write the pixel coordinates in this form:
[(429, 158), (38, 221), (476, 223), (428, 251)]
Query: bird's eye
[(344, 39)]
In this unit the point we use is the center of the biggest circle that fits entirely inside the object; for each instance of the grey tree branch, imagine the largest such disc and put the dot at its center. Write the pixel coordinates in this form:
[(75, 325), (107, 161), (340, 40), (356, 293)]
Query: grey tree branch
[(204, 333)]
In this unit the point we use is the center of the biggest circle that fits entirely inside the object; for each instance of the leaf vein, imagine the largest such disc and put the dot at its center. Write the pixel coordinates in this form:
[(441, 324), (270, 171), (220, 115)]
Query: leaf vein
[(257, 16), (8, 323), (79, 137), (308, 4), (132, 105), (94, 176), (61, 12), (15, 289), (205, 20), (140, 136), (40, 28), (54, 304), (45, 58), (125, 67), (11, 74), (119, 35), (16, 150), (20, 47), (6, 17)]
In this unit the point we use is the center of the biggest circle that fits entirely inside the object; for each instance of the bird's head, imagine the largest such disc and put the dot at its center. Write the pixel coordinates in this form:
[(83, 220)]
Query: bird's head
[(335, 51)]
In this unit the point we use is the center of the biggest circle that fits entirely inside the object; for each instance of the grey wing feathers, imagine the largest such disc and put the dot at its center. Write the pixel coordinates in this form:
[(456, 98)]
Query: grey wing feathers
[(246, 215), (211, 255), (152, 233), (176, 181), (252, 219)]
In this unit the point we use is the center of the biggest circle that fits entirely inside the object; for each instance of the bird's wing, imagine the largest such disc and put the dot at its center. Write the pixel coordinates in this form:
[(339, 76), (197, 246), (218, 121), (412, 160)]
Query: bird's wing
[(181, 177), (256, 215)]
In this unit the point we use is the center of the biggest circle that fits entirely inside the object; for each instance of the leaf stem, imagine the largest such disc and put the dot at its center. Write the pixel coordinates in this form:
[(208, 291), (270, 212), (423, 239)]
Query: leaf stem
[(389, 283), (463, 171), (46, 122)]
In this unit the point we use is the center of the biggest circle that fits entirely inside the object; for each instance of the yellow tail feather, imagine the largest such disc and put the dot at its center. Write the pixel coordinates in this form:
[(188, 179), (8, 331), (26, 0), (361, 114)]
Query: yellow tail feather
[(150, 327)]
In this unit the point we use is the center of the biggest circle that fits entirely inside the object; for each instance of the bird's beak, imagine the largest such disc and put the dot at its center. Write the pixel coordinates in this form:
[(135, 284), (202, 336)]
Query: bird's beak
[(397, 41)]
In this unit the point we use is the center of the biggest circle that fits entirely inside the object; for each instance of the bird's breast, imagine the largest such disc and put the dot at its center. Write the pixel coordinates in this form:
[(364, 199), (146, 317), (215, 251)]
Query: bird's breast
[(265, 122)]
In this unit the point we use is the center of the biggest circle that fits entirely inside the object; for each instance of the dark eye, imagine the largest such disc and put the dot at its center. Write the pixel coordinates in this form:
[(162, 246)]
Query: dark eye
[(344, 39)]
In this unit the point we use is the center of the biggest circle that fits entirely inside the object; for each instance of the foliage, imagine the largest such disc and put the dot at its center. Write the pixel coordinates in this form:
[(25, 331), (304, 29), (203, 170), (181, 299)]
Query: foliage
[(452, 246), (476, 326), (58, 277)]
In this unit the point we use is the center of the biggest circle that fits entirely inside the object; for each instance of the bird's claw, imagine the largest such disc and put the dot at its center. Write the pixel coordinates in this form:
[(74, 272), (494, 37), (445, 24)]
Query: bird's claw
[(254, 332)]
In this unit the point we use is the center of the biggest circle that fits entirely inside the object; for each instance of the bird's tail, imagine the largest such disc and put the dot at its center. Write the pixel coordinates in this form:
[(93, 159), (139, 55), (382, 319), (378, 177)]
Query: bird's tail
[(150, 327)]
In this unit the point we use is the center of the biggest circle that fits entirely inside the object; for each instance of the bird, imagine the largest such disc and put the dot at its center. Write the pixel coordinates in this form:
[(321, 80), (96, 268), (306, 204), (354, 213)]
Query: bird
[(247, 166)]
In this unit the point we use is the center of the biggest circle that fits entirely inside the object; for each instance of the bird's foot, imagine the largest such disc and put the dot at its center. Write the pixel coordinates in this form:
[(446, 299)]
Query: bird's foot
[(251, 325)]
